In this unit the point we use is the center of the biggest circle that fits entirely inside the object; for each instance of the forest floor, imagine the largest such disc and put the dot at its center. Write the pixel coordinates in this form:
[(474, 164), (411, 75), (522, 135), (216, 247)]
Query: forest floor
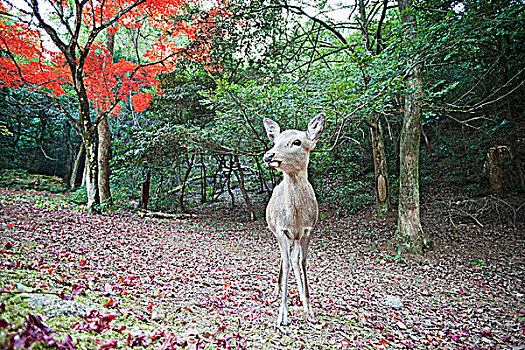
[(78, 281)]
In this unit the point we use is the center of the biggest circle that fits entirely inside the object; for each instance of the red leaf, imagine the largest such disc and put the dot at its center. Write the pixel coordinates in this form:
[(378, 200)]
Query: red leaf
[(107, 344), (94, 322), (64, 296), (3, 323), (138, 340)]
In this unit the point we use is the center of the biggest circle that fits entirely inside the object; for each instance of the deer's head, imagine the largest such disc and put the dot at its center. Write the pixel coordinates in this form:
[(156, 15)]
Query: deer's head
[(291, 148)]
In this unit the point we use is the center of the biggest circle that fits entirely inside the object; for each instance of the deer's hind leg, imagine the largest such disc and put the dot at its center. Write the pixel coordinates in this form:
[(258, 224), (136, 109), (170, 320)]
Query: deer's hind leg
[(296, 254), (277, 289)]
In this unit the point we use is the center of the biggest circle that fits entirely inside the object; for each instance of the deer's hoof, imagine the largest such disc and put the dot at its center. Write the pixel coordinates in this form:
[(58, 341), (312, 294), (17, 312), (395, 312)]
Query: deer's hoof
[(281, 323), (282, 319), (308, 309)]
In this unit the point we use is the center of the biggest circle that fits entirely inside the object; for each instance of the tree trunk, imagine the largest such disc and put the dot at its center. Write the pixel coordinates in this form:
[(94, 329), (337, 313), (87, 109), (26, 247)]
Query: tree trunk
[(409, 235), (104, 153), (229, 184), (183, 185), (364, 24), (240, 177), (264, 183), (382, 207), (76, 165), (104, 143), (144, 191), (91, 171), (217, 177), (84, 174), (204, 181), (69, 149), (496, 168)]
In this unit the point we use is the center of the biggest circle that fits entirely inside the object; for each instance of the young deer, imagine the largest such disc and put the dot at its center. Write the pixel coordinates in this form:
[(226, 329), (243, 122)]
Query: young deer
[(292, 211)]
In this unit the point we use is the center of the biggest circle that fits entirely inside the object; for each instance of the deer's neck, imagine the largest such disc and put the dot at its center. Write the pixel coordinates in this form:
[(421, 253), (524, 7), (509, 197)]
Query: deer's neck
[(297, 179)]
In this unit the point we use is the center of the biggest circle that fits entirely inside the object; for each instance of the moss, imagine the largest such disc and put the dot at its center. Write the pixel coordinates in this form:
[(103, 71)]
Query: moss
[(411, 244)]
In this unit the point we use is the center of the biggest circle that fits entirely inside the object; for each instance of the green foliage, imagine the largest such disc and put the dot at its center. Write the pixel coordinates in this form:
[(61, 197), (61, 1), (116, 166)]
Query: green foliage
[(240, 110), (17, 180), (274, 64), (34, 135), (349, 197), (79, 196), (4, 131)]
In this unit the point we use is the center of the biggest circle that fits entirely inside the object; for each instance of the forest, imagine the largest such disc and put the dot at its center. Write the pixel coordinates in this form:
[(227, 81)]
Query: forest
[(133, 187)]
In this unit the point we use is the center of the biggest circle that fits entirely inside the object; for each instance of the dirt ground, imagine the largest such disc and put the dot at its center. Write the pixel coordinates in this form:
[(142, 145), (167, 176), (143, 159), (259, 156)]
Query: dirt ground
[(120, 281)]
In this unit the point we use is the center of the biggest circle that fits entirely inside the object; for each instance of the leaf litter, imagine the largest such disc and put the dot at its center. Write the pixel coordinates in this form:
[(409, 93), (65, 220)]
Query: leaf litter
[(160, 284)]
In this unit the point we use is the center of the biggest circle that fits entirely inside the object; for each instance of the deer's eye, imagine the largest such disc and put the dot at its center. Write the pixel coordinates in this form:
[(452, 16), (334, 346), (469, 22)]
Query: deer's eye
[(297, 143)]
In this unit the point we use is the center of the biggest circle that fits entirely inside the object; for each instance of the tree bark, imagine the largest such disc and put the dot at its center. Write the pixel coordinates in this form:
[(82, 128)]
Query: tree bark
[(204, 181), (104, 153), (218, 185), (410, 236), (382, 188), (229, 182), (496, 168), (184, 181), (104, 143), (240, 177), (84, 173), (76, 166), (69, 149), (91, 171), (144, 191), (264, 183), (364, 24)]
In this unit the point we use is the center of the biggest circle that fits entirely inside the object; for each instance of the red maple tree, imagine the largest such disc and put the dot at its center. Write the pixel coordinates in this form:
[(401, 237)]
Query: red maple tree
[(55, 47)]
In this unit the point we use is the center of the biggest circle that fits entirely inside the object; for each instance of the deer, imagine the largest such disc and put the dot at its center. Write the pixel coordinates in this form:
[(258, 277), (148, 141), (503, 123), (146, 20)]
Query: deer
[(292, 211)]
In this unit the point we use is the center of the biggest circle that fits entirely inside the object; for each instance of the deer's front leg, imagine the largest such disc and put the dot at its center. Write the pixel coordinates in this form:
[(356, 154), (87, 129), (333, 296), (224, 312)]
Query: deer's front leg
[(284, 245), (304, 242)]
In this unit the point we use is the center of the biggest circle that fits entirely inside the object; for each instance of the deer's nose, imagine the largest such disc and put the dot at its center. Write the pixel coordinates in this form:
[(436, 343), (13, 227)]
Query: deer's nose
[(268, 157)]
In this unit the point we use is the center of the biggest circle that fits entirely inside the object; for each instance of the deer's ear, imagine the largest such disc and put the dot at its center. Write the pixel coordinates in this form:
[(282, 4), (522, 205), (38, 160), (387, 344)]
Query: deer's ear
[(272, 128), (316, 127)]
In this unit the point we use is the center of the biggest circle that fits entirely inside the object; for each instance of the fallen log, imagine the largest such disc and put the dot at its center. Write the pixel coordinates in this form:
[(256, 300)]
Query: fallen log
[(161, 215)]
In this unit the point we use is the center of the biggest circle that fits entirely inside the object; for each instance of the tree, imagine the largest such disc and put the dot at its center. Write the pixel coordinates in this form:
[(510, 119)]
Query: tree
[(78, 63), (372, 37), (410, 234), (104, 142)]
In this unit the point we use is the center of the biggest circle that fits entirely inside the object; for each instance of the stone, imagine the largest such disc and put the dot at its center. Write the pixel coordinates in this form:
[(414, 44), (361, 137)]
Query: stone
[(393, 301), (52, 306)]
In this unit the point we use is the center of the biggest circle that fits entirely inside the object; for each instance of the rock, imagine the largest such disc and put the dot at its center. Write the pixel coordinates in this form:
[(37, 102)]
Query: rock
[(393, 301), (53, 306), (20, 286), (155, 316), (401, 325), (364, 312), (108, 289)]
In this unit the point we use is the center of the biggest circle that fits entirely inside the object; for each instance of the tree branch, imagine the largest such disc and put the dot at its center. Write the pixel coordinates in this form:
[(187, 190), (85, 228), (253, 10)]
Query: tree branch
[(299, 11)]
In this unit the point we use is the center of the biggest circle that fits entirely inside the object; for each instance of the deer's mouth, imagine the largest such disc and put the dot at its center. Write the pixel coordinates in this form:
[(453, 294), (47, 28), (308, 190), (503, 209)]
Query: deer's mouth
[(274, 164)]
